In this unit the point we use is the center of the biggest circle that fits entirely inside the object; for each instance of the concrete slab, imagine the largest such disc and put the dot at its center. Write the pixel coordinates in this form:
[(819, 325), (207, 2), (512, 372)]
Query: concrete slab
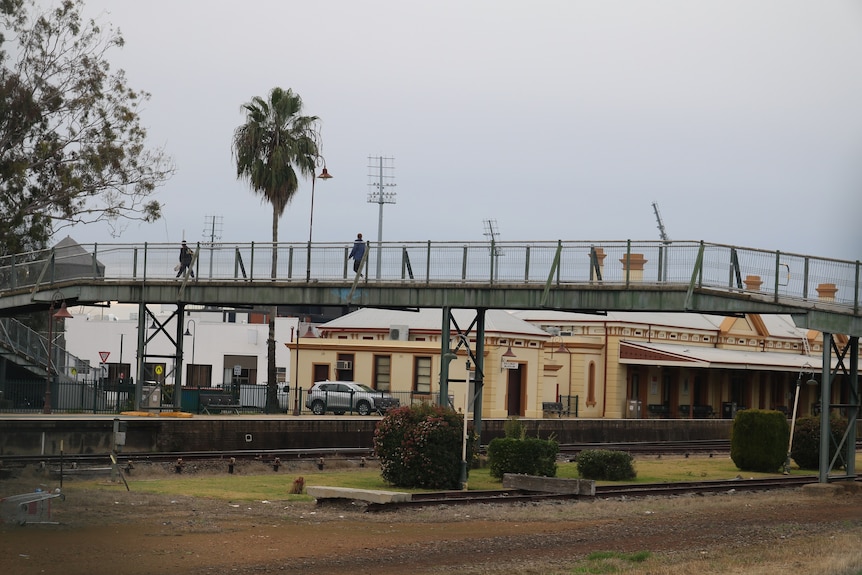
[(369, 495), (549, 484)]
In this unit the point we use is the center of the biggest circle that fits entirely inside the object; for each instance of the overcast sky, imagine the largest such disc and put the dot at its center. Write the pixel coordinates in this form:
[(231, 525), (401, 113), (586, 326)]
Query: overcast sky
[(557, 119)]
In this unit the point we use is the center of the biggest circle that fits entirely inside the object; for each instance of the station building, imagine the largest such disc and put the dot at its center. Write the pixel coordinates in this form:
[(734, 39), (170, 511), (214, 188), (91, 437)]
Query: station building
[(618, 365)]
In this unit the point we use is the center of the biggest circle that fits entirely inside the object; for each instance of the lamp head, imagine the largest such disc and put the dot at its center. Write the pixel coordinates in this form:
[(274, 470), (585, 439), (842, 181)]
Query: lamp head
[(324, 175), (63, 313)]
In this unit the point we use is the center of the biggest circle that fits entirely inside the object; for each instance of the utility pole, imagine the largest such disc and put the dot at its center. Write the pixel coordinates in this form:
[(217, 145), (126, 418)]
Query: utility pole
[(380, 170), (492, 233)]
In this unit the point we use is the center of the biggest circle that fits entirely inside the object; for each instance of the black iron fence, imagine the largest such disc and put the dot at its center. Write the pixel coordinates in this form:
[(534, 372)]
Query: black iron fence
[(109, 397)]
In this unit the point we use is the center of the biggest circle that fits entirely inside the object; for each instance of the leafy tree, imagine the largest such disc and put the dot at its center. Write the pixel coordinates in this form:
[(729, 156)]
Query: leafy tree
[(72, 148), (275, 146)]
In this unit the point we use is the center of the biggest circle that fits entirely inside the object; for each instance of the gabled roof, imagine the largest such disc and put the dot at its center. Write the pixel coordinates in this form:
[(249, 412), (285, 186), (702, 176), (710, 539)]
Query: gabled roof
[(774, 325), (696, 321), (499, 322)]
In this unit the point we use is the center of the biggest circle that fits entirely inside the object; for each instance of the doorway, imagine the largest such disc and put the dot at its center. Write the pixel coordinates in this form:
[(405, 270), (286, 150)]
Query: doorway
[(515, 396)]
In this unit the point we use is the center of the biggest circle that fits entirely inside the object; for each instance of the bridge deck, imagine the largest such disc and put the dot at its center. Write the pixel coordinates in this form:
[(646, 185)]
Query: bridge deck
[(820, 293)]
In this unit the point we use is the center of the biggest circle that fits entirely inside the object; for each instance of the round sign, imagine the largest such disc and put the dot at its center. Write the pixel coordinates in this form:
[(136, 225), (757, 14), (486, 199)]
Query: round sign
[(158, 370)]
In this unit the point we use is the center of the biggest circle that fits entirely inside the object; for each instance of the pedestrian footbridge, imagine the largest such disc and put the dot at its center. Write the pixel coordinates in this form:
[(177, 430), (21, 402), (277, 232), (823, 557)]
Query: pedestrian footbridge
[(819, 293), (585, 276)]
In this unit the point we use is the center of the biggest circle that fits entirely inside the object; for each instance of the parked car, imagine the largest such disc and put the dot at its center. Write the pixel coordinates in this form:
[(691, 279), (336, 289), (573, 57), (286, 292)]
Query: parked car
[(340, 397)]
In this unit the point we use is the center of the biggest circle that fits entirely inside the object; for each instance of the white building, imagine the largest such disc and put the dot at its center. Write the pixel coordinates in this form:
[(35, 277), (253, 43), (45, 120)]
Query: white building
[(219, 347)]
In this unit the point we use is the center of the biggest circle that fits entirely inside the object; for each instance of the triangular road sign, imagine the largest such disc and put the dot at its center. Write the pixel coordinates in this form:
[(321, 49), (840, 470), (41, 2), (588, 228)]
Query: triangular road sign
[(104, 355)]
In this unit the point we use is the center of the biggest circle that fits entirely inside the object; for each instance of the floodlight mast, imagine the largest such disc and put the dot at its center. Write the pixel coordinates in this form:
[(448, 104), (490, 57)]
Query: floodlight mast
[(379, 196)]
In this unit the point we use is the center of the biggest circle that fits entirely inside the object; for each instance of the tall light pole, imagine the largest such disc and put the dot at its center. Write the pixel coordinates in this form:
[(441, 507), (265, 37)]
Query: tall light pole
[(62, 313), (194, 335), (380, 197), (324, 175)]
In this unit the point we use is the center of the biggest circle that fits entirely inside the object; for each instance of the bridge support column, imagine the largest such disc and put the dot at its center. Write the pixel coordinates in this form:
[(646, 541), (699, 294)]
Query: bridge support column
[(853, 411), (825, 400), (445, 357)]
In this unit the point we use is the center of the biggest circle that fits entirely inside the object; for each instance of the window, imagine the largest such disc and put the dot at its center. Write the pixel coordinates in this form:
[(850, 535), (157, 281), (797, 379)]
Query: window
[(422, 375), (382, 373), (591, 386)]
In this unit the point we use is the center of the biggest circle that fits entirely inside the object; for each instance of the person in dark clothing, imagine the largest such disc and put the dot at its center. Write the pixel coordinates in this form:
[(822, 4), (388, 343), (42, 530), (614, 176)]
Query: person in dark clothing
[(185, 260), (357, 253)]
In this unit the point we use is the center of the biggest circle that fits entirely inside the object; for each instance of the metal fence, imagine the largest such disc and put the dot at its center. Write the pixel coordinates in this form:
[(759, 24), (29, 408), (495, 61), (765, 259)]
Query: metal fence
[(559, 262), (104, 397)]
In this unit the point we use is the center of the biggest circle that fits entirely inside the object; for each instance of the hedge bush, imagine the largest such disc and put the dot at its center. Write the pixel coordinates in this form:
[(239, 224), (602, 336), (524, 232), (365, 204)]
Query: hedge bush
[(420, 446), (606, 465), (759, 439), (529, 456), (806, 441)]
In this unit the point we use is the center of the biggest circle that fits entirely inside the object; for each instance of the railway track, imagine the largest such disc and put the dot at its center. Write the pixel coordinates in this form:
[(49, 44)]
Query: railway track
[(568, 451), (509, 496), (284, 455)]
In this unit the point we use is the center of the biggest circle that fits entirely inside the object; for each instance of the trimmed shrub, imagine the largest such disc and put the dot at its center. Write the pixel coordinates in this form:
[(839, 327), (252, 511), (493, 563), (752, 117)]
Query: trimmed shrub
[(759, 439), (806, 441), (529, 456), (514, 429), (607, 465), (420, 446)]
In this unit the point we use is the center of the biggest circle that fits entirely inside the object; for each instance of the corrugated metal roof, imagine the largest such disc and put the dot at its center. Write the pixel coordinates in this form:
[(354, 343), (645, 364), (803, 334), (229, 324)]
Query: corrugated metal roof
[(703, 356)]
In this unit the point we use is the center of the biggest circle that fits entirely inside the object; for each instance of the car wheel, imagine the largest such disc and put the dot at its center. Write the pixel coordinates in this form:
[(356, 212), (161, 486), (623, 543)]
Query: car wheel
[(363, 408), (318, 408)]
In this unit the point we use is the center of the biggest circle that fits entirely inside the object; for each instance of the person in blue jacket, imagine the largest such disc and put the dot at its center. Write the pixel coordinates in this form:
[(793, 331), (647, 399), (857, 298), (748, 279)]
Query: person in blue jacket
[(357, 252)]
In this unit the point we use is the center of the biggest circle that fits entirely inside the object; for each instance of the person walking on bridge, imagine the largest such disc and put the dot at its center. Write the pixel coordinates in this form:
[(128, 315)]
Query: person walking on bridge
[(185, 260), (357, 253)]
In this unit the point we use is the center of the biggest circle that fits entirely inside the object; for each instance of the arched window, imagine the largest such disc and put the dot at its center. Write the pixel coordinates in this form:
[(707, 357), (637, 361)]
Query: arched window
[(591, 385)]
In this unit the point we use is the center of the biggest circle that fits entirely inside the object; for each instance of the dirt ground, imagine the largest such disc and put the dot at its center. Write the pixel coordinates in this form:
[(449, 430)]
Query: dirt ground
[(120, 532)]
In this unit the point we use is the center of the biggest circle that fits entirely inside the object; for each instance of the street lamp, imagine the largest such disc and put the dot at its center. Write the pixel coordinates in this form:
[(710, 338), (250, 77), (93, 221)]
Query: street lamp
[(194, 335), (324, 175), (811, 381), (62, 313), (563, 349)]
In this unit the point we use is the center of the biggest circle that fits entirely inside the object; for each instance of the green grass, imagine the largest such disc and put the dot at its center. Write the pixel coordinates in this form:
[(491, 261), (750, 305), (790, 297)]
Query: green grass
[(277, 486), (602, 562)]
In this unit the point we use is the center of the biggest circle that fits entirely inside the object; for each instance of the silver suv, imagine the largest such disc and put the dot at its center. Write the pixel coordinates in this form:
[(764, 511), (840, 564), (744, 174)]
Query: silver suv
[(340, 397)]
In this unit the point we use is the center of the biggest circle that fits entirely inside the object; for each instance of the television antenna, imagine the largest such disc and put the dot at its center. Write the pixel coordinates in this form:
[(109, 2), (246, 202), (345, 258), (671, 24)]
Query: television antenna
[(661, 231), (663, 257)]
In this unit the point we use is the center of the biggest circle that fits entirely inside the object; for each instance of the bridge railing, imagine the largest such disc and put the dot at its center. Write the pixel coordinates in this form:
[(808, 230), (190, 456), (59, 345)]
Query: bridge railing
[(679, 263)]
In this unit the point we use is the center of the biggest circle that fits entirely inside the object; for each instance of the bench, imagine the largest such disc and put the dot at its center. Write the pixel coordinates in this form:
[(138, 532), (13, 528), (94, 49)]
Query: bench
[(552, 407), (658, 409), (210, 403), (703, 411), (699, 411)]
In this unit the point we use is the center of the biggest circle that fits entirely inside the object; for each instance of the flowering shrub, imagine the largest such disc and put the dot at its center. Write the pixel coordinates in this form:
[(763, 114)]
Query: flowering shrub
[(420, 446)]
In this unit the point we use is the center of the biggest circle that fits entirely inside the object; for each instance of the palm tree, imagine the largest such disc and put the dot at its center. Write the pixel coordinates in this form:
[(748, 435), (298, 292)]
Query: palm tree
[(275, 146)]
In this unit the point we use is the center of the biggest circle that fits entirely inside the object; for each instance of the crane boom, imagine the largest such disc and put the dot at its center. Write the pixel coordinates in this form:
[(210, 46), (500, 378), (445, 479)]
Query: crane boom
[(661, 231)]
